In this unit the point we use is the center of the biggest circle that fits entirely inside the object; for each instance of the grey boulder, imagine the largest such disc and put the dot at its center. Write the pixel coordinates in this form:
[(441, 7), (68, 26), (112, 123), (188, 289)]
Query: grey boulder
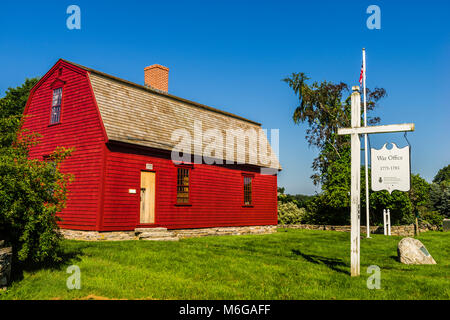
[(412, 251)]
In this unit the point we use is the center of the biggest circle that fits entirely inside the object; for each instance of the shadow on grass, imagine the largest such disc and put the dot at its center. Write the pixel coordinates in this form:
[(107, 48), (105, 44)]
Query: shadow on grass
[(332, 263), (396, 258), (67, 257)]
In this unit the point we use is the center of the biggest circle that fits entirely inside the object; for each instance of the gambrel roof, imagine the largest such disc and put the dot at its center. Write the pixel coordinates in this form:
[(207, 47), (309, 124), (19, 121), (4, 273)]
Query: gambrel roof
[(141, 115)]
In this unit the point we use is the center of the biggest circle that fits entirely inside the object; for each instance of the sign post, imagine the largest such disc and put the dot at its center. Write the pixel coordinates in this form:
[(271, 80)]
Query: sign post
[(355, 194), (355, 207)]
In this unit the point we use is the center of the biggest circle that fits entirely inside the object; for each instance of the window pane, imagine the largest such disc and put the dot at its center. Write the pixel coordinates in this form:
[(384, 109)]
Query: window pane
[(182, 185), (247, 190), (55, 114), (57, 95), (56, 106)]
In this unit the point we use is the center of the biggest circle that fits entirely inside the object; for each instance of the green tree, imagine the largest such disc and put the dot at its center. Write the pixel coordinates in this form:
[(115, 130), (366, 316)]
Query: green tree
[(419, 193), (440, 192), (13, 105), (325, 107), (442, 175), (15, 99), (398, 204)]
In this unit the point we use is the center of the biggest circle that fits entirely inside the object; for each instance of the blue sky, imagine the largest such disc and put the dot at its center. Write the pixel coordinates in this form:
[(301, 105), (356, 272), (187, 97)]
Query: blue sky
[(233, 54)]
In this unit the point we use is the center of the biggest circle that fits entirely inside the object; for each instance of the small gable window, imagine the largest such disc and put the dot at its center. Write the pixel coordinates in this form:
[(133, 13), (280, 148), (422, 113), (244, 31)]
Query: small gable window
[(56, 106)]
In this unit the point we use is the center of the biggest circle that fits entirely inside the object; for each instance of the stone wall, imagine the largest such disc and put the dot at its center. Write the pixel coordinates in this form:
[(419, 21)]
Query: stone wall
[(5, 265), (180, 233), (405, 230)]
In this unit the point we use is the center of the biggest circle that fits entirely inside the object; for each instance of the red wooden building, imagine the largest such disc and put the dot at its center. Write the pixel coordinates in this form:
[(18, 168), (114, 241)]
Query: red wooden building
[(125, 175)]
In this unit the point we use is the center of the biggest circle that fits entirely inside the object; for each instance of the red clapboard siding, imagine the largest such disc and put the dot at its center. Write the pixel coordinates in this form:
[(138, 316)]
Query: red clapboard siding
[(81, 128), (216, 195)]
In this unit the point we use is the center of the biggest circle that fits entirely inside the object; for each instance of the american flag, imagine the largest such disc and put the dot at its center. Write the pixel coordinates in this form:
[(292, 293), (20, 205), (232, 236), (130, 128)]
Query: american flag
[(361, 75)]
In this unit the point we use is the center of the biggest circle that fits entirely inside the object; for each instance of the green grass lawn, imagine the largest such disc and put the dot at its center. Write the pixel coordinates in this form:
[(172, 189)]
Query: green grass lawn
[(290, 264)]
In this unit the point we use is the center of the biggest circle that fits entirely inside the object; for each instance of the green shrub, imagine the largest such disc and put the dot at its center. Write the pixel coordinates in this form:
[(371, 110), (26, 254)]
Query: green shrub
[(32, 192), (290, 213), (432, 217)]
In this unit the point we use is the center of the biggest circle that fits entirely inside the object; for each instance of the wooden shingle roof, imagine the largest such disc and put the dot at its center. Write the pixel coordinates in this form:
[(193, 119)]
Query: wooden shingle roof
[(140, 115)]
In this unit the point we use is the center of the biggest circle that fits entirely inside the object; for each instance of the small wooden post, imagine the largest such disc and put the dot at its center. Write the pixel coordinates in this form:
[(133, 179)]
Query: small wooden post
[(384, 222), (389, 221)]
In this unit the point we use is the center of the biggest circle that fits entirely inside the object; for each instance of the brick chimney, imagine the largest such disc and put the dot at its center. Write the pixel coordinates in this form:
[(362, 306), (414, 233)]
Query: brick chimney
[(157, 77)]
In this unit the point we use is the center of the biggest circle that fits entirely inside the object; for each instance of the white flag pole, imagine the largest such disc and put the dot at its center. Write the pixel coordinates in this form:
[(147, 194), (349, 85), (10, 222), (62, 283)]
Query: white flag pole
[(365, 146)]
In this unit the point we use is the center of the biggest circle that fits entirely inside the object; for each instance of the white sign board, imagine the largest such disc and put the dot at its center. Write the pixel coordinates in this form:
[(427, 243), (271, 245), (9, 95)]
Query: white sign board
[(390, 168), (149, 166)]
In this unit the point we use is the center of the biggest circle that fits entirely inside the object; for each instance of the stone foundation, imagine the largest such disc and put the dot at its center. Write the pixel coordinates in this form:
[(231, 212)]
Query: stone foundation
[(164, 235), (404, 231), (222, 231), (98, 236)]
